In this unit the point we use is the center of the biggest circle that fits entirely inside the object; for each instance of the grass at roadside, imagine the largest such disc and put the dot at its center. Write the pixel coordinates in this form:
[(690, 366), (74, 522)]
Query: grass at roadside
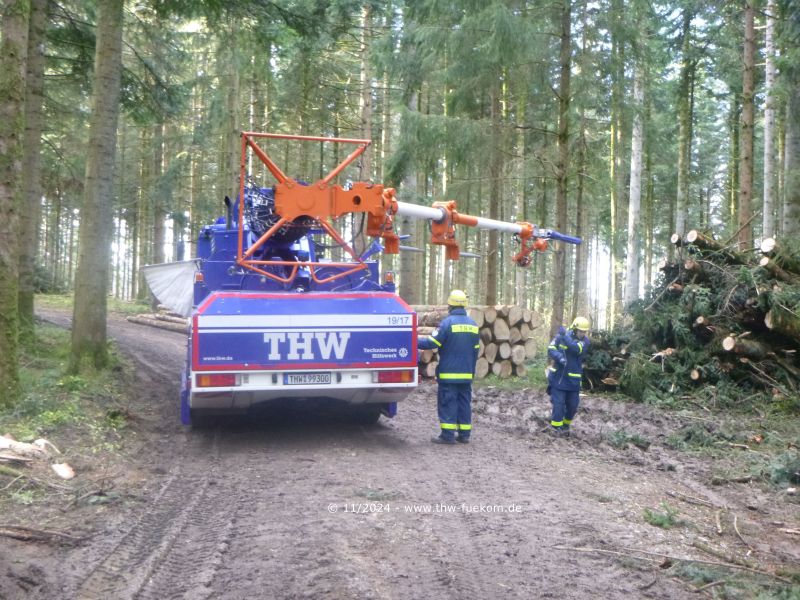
[(64, 301), (81, 415)]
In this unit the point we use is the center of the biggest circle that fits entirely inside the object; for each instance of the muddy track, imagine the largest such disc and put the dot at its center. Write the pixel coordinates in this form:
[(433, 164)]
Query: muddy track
[(288, 504)]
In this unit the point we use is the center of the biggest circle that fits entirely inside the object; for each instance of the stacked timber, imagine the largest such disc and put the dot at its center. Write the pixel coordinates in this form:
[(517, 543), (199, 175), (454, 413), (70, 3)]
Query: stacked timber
[(162, 320), (506, 338), (723, 323)]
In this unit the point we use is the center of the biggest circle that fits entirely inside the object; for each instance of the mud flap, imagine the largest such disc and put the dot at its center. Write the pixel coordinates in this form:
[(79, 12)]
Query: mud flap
[(186, 415)]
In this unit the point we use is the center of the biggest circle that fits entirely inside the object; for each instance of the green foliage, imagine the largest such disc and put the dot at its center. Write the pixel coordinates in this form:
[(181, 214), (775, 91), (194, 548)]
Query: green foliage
[(692, 437), (667, 518), (785, 468), (620, 439), (640, 376), (72, 383), (735, 584), (54, 401), (24, 497)]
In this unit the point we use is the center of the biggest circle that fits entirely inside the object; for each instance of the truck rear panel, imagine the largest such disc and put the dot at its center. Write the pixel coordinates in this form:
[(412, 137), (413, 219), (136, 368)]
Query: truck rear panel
[(250, 347)]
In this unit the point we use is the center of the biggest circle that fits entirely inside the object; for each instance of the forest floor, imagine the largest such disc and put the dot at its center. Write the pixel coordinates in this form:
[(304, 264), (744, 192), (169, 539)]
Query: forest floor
[(293, 504)]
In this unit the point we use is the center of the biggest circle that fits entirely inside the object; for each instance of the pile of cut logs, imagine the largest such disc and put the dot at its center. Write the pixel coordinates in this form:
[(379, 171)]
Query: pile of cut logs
[(505, 338), (163, 320)]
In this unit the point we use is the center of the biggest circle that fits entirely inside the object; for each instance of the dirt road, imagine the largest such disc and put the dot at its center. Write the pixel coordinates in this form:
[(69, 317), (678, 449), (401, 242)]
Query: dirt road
[(295, 505)]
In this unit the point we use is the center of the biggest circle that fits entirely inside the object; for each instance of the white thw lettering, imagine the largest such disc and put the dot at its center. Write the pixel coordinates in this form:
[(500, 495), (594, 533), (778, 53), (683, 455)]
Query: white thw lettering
[(332, 341), (301, 345), (273, 339), (305, 346)]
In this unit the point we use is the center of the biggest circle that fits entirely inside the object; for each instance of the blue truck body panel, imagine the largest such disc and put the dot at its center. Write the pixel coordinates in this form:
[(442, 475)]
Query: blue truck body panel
[(247, 331)]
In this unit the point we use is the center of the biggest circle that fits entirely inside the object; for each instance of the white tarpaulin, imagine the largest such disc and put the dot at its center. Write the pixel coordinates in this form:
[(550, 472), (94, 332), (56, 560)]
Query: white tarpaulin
[(173, 284)]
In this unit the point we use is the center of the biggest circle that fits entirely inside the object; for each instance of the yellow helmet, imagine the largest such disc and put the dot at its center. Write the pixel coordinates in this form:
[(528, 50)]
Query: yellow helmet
[(457, 298), (580, 323)]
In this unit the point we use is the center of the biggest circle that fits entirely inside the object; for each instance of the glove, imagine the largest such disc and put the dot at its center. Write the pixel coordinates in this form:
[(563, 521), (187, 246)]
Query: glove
[(561, 330), (562, 361)]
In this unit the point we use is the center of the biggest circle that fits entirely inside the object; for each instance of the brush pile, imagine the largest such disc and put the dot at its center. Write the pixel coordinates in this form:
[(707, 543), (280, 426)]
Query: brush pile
[(722, 325)]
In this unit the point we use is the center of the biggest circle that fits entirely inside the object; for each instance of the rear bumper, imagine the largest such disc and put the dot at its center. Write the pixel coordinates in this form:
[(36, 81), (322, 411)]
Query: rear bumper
[(350, 387), (236, 401)]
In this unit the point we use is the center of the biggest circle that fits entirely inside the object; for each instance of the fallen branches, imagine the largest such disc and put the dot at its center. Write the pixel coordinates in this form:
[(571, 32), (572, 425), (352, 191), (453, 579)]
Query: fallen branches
[(629, 554), (28, 534)]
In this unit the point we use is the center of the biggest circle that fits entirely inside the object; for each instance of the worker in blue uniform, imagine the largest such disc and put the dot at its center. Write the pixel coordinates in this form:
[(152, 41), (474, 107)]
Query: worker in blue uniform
[(567, 350), (457, 341)]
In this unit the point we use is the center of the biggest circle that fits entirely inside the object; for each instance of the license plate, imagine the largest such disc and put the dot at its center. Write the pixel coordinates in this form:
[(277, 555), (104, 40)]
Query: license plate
[(306, 378)]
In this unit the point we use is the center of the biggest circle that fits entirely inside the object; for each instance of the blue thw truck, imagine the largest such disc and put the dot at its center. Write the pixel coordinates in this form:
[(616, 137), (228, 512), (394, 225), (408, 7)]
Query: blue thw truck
[(274, 316)]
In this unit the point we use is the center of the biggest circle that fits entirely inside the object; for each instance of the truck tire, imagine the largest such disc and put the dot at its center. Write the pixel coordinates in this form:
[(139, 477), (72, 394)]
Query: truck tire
[(366, 415), (199, 420)]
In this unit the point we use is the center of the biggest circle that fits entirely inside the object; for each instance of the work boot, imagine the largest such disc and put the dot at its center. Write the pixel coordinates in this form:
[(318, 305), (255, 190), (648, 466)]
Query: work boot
[(565, 431), (557, 431), (463, 440), (441, 440)]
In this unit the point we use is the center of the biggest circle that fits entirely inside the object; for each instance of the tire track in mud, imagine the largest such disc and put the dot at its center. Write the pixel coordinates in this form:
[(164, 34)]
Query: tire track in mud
[(287, 541), (450, 546), (130, 563)]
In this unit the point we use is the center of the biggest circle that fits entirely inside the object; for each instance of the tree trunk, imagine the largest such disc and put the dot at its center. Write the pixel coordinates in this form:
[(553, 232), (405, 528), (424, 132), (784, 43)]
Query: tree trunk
[(616, 162), (495, 195), (13, 53), (144, 213), (365, 113), (746, 142), (684, 126), (89, 340), (791, 206), (158, 202), (411, 262), (580, 293), (559, 266), (783, 321), (30, 215), (634, 202), (744, 347), (768, 211)]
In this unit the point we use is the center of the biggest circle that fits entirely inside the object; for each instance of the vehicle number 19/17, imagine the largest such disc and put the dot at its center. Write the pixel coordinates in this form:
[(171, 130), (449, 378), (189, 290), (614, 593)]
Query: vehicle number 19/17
[(399, 319)]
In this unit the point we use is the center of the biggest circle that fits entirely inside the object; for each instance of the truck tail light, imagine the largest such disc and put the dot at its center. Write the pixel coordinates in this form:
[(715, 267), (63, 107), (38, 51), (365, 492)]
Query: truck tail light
[(402, 376), (216, 380)]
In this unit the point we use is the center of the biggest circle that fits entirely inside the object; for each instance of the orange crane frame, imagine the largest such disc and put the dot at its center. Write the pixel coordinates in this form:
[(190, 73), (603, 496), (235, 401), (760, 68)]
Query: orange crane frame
[(324, 200)]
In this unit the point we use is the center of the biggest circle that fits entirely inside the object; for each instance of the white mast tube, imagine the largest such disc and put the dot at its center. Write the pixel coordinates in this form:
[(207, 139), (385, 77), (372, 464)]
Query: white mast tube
[(404, 209), (498, 225)]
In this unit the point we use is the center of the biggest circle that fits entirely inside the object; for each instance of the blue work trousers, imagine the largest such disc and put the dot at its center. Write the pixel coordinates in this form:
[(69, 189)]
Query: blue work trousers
[(455, 409), (565, 405)]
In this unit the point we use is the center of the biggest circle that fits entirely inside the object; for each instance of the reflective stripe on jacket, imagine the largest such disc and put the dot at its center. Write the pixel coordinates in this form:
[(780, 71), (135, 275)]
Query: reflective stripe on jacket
[(457, 340)]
